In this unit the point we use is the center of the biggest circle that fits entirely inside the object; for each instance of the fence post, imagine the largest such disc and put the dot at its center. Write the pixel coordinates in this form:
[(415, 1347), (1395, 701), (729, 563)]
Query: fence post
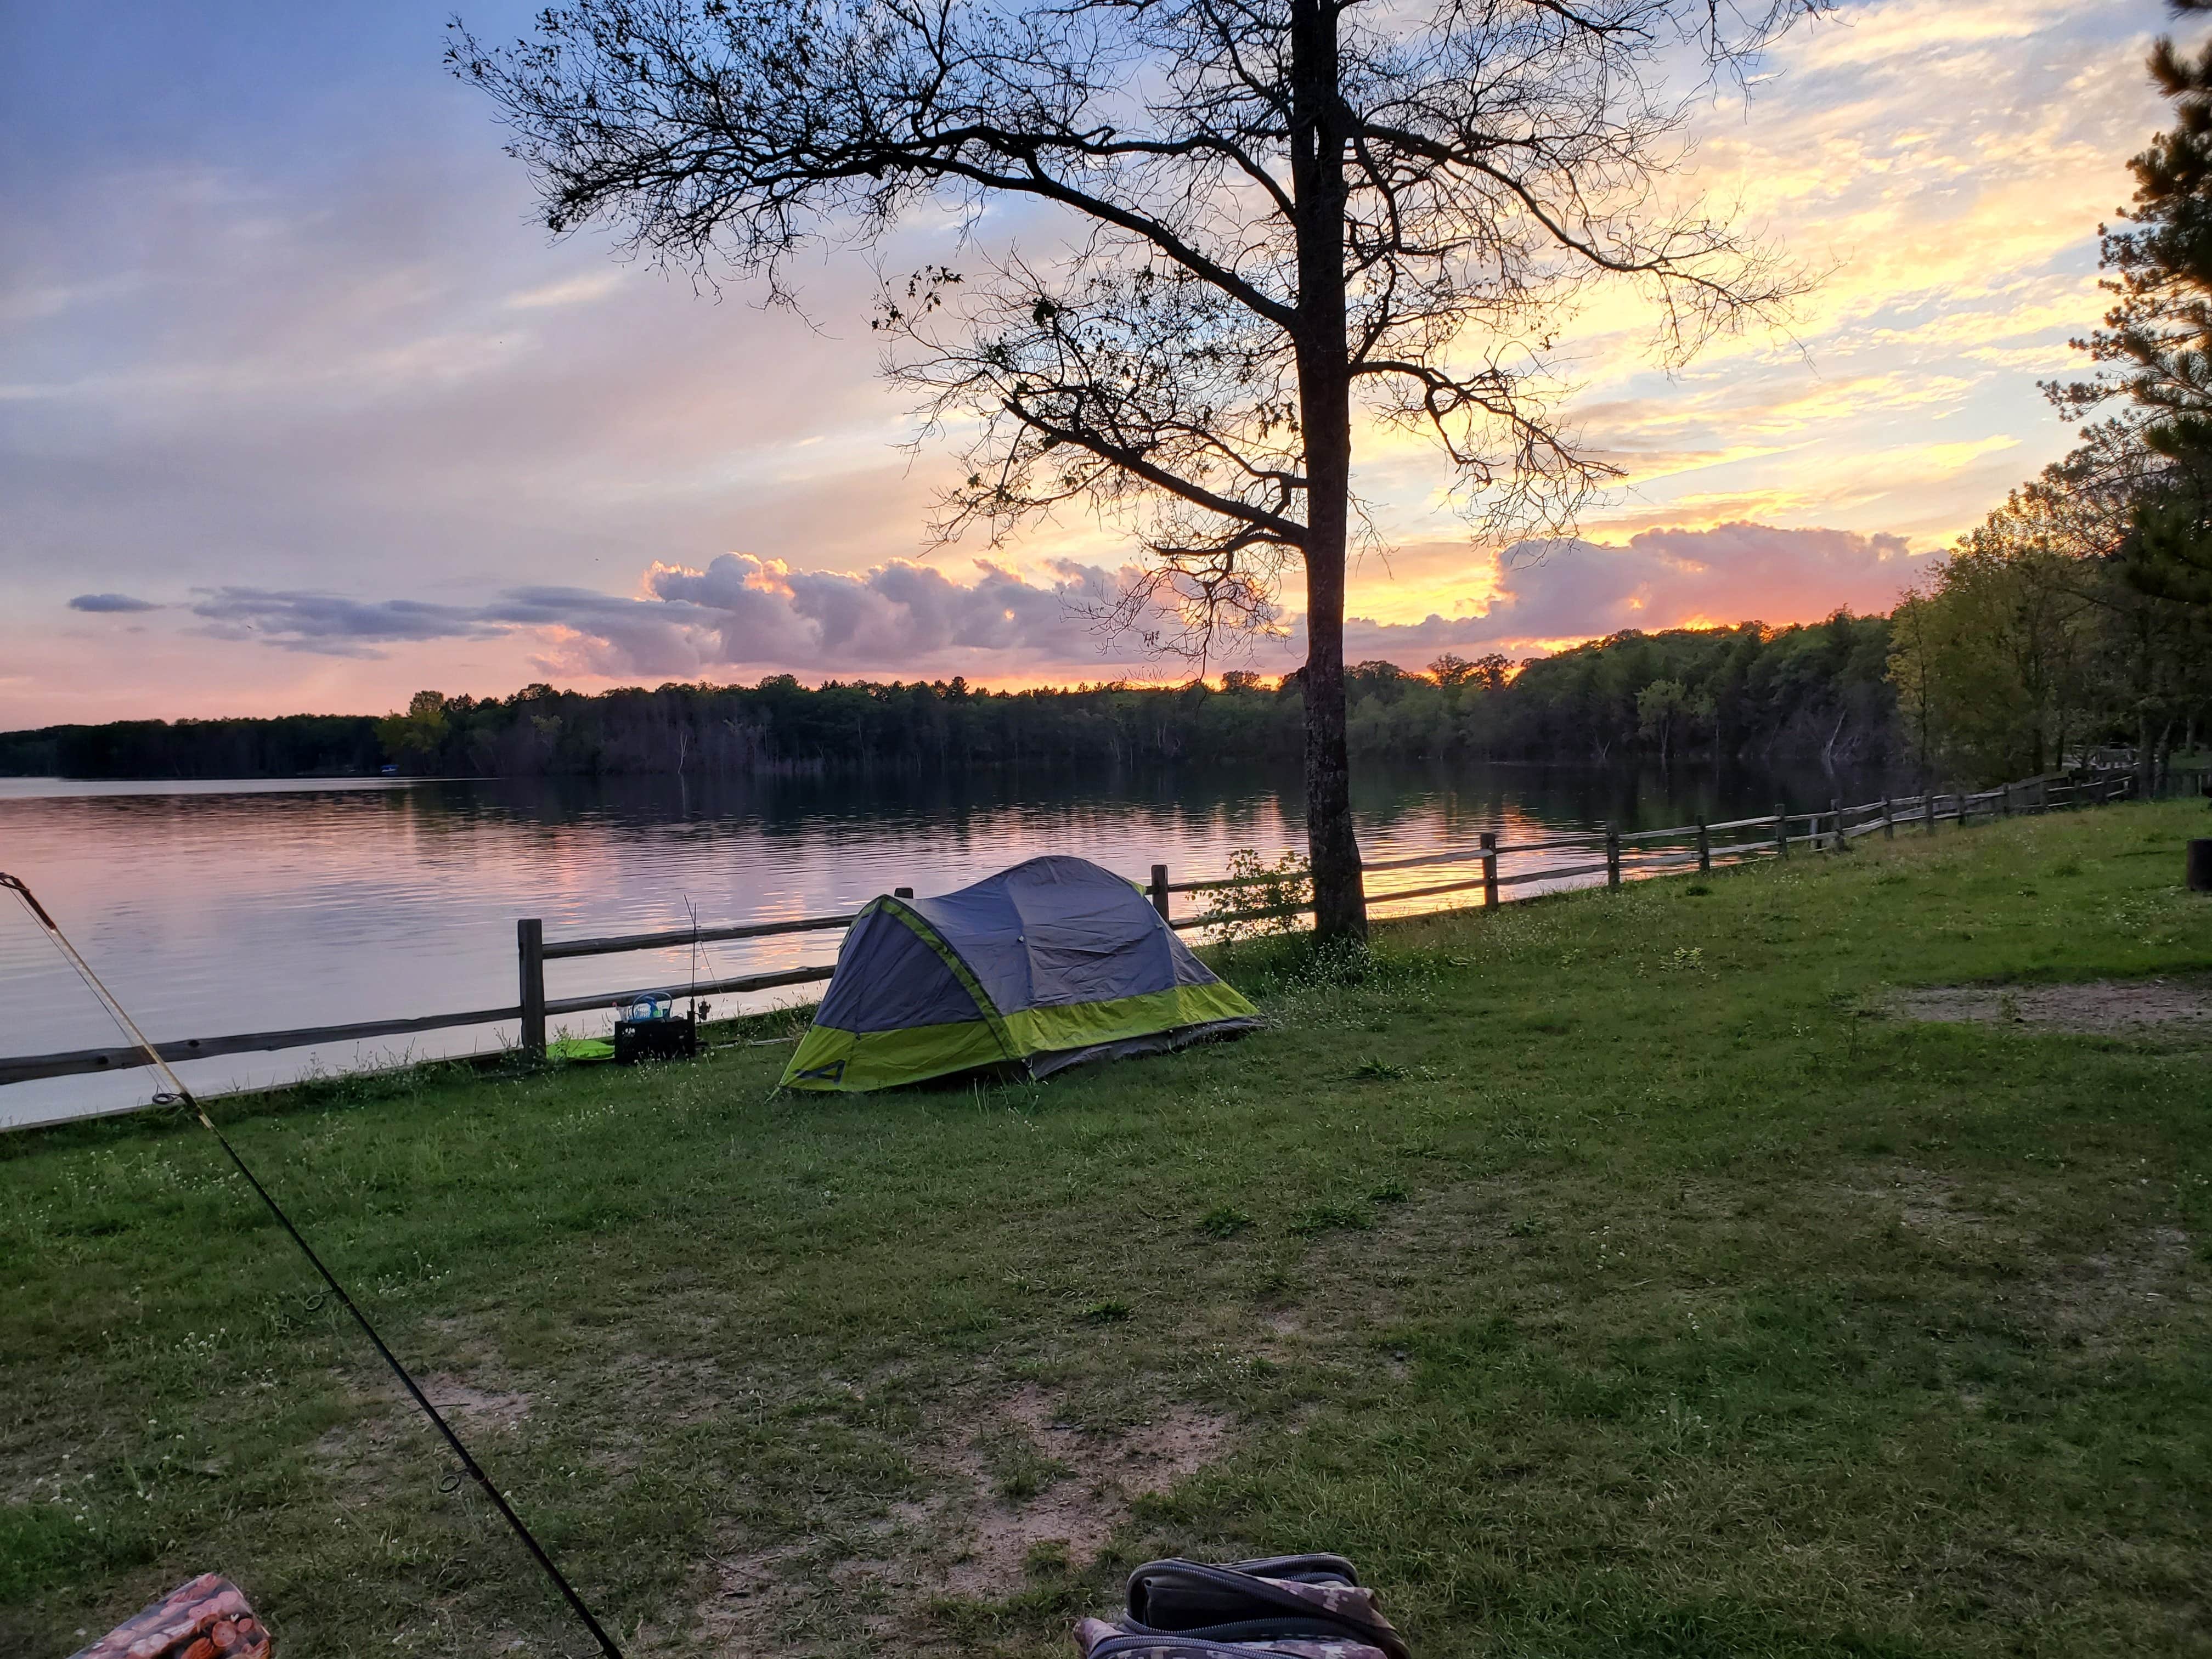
[(1490, 869), (1611, 856), (1705, 849), (1836, 843), (529, 960), (1888, 821), (2004, 803), (1781, 830), (1928, 810), (1160, 890)]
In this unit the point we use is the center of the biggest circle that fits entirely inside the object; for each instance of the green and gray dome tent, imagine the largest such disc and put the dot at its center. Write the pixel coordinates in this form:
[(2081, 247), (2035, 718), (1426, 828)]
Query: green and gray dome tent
[(1047, 964)]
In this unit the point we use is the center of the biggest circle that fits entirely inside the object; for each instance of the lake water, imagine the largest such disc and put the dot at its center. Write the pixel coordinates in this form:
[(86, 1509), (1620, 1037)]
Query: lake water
[(218, 907)]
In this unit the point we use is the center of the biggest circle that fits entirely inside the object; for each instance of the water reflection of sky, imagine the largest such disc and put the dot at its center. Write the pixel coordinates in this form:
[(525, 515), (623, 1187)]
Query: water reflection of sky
[(218, 907)]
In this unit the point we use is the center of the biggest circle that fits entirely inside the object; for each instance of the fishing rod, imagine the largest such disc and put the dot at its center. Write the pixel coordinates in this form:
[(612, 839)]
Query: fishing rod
[(177, 1094)]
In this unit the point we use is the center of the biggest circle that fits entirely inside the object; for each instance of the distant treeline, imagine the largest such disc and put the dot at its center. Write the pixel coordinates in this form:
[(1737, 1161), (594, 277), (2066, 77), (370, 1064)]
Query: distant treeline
[(1749, 691), (287, 746)]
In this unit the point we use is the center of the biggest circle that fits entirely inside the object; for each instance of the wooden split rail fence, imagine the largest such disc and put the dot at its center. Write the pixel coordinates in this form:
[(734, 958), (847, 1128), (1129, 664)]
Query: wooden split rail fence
[(1608, 852)]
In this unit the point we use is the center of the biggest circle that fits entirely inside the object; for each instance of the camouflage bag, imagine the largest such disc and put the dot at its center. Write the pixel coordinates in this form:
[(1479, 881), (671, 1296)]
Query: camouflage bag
[(1302, 1606)]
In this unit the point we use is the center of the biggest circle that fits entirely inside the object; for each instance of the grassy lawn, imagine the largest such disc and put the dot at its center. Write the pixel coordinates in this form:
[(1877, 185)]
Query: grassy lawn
[(1614, 1275)]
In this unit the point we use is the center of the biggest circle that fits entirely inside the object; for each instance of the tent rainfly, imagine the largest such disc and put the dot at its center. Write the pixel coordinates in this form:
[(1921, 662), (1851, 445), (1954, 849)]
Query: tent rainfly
[(1045, 965)]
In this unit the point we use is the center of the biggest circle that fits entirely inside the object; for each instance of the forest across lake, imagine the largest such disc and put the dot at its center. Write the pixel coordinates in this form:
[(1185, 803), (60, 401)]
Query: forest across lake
[(1982, 677), (1748, 694)]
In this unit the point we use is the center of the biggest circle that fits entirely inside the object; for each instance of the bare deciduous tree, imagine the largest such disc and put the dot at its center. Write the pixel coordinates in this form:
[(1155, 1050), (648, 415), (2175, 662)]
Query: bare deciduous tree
[(1271, 215)]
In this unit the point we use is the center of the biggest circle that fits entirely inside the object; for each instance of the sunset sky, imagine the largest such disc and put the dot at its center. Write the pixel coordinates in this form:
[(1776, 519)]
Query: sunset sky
[(299, 410)]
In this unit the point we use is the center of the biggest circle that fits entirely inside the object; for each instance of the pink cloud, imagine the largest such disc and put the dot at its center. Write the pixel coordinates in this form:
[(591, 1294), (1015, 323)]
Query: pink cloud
[(1671, 578)]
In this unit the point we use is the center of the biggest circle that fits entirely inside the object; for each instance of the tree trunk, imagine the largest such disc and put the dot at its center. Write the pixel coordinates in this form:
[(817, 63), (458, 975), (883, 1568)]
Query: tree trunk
[(1325, 417)]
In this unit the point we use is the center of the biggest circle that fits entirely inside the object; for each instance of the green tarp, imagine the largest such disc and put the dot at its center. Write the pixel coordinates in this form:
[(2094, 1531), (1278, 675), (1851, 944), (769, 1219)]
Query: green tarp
[(1053, 962)]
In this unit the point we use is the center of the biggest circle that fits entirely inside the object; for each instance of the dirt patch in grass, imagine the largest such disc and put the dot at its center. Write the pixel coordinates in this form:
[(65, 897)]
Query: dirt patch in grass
[(1078, 1485), (459, 1403), (360, 1452), (2105, 1007), (2080, 1298), (2085, 1298), (1929, 1203), (1023, 1484), (758, 1598)]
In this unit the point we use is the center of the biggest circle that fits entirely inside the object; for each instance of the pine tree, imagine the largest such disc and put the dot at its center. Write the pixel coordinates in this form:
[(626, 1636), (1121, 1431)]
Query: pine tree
[(2158, 335)]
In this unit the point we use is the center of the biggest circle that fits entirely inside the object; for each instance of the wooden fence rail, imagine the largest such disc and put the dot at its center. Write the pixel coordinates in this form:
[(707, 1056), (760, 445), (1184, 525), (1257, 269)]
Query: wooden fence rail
[(1619, 857)]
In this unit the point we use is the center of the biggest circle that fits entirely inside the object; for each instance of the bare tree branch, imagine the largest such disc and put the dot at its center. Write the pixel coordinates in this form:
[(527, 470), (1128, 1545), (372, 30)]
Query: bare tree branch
[(1266, 218)]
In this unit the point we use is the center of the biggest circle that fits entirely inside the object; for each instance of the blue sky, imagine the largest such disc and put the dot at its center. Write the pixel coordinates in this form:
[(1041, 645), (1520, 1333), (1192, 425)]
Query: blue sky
[(284, 357)]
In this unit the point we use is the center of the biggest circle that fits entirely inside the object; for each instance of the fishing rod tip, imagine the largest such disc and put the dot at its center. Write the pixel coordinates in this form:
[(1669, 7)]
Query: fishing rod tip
[(22, 890)]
